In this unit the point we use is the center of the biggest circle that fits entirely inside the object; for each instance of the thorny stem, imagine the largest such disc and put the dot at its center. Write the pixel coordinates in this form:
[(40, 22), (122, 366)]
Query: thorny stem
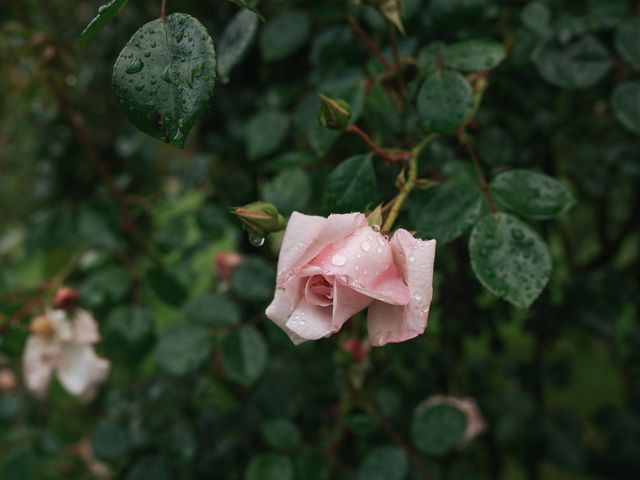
[(368, 43), (388, 155), (409, 183), (163, 9)]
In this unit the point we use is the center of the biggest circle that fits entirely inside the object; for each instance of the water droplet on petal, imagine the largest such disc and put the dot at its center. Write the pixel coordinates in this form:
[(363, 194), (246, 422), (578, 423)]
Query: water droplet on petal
[(338, 260), (380, 241), (412, 258), (417, 296), (365, 246)]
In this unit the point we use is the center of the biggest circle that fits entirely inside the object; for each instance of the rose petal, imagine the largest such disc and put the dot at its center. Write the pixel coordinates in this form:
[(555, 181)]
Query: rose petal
[(285, 300), (310, 322), (346, 303), (39, 359), (61, 325), (392, 324), (308, 235), (85, 328), (81, 370)]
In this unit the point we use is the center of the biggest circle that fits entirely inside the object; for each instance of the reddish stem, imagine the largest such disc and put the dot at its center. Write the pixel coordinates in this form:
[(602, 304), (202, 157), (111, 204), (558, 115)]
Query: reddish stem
[(163, 9), (388, 155), (366, 39)]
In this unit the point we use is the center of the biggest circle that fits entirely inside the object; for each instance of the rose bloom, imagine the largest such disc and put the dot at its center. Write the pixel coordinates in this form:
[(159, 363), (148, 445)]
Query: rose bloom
[(331, 268), (476, 423), (64, 346)]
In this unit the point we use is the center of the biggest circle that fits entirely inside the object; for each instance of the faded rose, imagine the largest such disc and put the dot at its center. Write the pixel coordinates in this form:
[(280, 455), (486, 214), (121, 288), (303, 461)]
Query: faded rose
[(63, 345), (331, 268)]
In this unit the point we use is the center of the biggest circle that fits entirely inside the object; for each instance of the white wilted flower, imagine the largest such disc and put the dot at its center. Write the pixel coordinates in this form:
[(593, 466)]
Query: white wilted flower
[(62, 343)]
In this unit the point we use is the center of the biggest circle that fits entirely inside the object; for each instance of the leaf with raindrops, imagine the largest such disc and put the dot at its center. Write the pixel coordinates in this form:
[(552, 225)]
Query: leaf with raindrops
[(105, 13), (235, 41), (444, 102), (474, 55), (509, 258), (164, 77), (531, 194)]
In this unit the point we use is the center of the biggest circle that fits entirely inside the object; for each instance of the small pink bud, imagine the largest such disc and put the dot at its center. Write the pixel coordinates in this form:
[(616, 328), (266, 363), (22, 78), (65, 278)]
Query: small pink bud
[(8, 380), (356, 349), (65, 298), (225, 263)]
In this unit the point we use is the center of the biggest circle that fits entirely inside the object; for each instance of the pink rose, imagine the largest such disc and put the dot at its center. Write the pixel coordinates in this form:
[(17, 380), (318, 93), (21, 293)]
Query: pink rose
[(331, 268)]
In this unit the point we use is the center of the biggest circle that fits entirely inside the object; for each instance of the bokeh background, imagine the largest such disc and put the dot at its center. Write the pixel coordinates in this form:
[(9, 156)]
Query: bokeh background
[(202, 384)]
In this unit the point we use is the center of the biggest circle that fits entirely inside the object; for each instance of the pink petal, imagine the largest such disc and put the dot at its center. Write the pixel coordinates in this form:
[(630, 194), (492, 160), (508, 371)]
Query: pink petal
[(39, 359), (346, 303), (85, 328), (81, 370), (307, 235), (310, 322), (364, 261), (392, 324), (285, 300)]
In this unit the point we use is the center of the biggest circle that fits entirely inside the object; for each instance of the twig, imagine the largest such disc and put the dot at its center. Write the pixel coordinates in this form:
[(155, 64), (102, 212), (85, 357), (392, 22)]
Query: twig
[(484, 186), (371, 47), (387, 154), (163, 9), (409, 183)]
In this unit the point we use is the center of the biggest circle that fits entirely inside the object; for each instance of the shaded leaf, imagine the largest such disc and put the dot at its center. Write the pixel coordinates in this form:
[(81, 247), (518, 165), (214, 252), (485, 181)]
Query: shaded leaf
[(164, 76), (235, 41), (105, 13), (283, 35), (437, 430), (444, 101), (351, 186), (244, 355), (183, 348), (474, 55), (625, 102), (628, 41), (509, 258)]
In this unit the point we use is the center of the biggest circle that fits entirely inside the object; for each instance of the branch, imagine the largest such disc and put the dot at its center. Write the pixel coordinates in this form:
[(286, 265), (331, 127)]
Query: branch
[(484, 186), (163, 9), (368, 43), (389, 155)]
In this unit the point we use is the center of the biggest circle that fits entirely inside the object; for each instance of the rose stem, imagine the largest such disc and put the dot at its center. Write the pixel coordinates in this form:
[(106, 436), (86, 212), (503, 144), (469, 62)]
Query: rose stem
[(409, 183), (364, 36)]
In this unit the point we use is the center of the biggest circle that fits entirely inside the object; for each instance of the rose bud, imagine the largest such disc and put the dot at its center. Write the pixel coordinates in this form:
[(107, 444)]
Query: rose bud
[(335, 114), (356, 349), (8, 380), (476, 423), (331, 268), (65, 298), (260, 219), (225, 264)]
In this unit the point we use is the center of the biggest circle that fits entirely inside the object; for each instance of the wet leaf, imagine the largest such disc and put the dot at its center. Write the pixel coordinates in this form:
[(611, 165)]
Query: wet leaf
[(236, 40), (509, 258), (105, 13), (625, 102), (352, 186), (474, 55), (444, 102), (244, 355), (437, 430), (283, 35), (628, 41), (164, 77)]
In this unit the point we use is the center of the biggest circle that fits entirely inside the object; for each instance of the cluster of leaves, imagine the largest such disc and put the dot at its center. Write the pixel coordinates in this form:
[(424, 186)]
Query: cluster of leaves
[(533, 110)]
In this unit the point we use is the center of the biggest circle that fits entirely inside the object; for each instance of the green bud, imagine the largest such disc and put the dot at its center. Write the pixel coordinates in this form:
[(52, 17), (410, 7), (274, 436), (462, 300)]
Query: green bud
[(392, 10), (335, 114), (260, 219)]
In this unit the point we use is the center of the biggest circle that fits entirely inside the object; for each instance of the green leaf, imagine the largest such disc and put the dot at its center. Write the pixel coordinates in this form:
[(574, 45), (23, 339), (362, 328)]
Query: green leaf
[(280, 434), (129, 333), (509, 258), (244, 355), (105, 13), (269, 466), (212, 220), (291, 160), (437, 430), (444, 101), (254, 280), (182, 349), (289, 191), (248, 5), (150, 467), (266, 131), (284, 35), (384, 463), (536, 16), (212, 310), (235, 42), (628, 41), (531, 194), (474, 55), (576, 65), (451, 212), (625, 101), (109, 442), (109, 284), (351, 186), (166, 286), (164, 76)]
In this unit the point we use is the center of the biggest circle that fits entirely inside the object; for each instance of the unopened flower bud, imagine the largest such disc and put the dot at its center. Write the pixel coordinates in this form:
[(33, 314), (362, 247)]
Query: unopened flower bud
[(8, 380), (260, 219), (356, 349), (335, 114), (225, 264), (65, 298), (41, 326)]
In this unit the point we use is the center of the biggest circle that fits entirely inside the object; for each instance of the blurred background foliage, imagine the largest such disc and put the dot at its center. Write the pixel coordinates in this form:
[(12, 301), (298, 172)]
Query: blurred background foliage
[(202, 385)]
